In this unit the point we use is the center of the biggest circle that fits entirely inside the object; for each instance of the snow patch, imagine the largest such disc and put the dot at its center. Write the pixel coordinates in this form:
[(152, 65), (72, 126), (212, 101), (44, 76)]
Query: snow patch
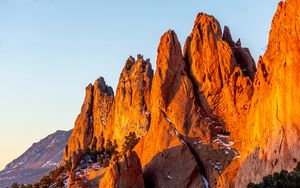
[(206, 184)]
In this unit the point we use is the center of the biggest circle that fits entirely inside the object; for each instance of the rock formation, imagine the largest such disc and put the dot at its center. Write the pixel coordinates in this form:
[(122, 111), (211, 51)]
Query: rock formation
[(124, 171), (89, 125), (130, 111), (103, 99), (207, 118), (104, 117), (272, 134), (222, 88), (163, 151)]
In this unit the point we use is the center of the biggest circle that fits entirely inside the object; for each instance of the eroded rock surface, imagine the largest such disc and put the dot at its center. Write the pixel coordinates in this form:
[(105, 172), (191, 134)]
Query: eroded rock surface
[(222, 88), (131, 109), (89, 125), (124, 171), (202, 110)]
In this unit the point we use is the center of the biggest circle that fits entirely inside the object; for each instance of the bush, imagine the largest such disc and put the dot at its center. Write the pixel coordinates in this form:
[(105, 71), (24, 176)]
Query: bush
[(14, 185), (45, 181), (111, 148), (130, 141), (282, 179)]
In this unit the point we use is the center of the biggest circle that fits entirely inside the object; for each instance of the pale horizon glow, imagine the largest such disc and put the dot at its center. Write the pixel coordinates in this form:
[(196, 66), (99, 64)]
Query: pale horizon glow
[(50, 50)]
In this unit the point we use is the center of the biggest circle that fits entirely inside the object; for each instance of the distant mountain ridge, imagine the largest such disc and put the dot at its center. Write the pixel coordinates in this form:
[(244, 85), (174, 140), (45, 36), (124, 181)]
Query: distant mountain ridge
[(37, 161)]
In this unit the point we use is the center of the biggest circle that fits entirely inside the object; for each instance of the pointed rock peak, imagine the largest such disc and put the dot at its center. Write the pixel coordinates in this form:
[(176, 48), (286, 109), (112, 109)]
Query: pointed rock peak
[(227, 36), (206, 24), (238, 43), (284, 35), (140, 57), (139, 62), (101, 84), (242, 55), (89, 87), (169, 44), (130, 61), (130, 111)]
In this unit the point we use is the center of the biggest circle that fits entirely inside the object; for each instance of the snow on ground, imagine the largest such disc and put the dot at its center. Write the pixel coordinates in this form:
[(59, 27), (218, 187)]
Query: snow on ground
[(175, 130), (221, 141), (216, 165), (206, 184), (66, 182)]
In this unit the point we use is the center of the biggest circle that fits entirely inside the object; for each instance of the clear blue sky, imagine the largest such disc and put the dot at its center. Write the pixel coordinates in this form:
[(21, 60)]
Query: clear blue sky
[(51, 49)]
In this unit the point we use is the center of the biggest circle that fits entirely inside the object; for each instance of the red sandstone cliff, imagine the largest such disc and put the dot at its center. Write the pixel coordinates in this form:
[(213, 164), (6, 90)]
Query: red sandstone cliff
[(130, 111), (91, 120), (272, 135), (201, 111), (221, 71)]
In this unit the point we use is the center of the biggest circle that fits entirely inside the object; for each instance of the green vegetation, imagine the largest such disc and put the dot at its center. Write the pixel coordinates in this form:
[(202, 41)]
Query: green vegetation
[(111, 148), (279, 180), (130, 141), (53, 177)]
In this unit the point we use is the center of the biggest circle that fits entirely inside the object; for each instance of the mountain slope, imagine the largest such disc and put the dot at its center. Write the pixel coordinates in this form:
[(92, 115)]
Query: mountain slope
[(37, 161)]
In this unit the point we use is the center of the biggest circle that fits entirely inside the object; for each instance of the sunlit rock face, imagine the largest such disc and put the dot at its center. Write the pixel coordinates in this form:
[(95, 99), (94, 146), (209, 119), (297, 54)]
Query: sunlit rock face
[(104, 117), (171, 100), (207, 117), (221, 71), (89, 125), (272, 135), (131, 109)]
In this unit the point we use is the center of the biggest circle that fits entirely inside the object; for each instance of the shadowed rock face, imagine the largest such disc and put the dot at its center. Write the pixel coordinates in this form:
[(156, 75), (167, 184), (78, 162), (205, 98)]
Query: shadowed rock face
[(273, 130), (125, 171), (37, 161), (242, 55)]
